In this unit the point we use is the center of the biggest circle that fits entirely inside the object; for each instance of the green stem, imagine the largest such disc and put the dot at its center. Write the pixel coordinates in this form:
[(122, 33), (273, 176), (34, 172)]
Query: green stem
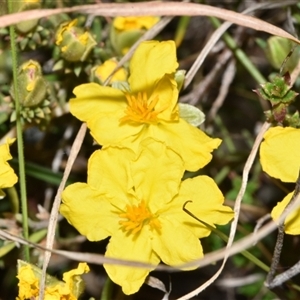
[(240, 54), (14, 199), (20, 143), (107, 289), (181, 29)]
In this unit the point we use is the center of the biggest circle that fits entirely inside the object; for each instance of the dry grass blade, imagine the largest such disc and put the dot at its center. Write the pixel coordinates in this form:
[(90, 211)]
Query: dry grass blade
[(155, 9), (92, 258), (227, 79), (219, 32), (55, 208), (99, 259)]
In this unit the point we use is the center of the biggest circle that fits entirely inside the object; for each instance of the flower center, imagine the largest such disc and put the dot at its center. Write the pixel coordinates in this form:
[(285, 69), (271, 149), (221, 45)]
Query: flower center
[(137, 217), (140, 109)]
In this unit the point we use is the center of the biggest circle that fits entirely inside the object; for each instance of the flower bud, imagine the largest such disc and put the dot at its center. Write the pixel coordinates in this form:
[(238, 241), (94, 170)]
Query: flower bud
[(125, 31), (277, 50), (101, 72), (75, 43), (19, 6), (32, 87), (277, 91)]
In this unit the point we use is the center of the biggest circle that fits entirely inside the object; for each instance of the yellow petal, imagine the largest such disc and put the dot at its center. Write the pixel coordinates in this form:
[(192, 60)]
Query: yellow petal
[(192, 144), (150, 62), (7, 175), (107, 130), (108, 171), (28, 283), (206, 204), (279, 153), (125, 247), (176, 244), (88, 211), (157, 173), (292, 222), (102, 108), (167, 93), (81, 269), (73, 280)]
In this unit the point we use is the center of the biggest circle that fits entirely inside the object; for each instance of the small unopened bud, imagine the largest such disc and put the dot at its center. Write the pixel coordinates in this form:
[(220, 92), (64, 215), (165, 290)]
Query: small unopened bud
[(278, 49), (75, 43), (32, 87), (277, 91)]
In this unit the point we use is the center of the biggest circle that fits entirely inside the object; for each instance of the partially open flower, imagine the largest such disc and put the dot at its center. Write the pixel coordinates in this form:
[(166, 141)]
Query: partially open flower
[(125, 31), (75, 43), (70, 288), (102, 72)]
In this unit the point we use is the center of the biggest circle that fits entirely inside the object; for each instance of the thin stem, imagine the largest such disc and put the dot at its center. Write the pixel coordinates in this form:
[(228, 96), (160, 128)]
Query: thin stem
[(107, 289), (14, 199), (20, 143), (243, 59), (240, 54), (276, 256)]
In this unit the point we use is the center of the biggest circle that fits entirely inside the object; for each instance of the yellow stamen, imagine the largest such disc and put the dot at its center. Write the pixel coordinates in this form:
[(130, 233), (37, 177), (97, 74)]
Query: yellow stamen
[(141, 110), (137, 217)]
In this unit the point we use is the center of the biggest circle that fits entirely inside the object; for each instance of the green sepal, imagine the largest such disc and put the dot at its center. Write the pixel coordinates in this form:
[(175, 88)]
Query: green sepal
[(179, 78), (191, 114), (123, 40), (121, 85)]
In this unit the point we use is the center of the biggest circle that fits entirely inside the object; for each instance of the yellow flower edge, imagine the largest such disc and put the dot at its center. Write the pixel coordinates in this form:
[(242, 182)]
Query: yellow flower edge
[(29, 281), (134, 23), (292, 222), (66, 26), (279, 153), (8, 178), (143, 218), (150, 109)]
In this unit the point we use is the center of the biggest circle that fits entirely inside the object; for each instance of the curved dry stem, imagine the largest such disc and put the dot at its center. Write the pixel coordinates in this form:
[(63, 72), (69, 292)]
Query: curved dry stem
[(155, 9), (55, 208)]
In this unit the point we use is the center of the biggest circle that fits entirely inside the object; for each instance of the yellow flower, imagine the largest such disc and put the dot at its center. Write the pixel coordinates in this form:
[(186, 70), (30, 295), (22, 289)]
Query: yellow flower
[(104, 70), (8, 178), (133, 23), (280, 158), (29, 283), (149, 109), (138, 202)]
